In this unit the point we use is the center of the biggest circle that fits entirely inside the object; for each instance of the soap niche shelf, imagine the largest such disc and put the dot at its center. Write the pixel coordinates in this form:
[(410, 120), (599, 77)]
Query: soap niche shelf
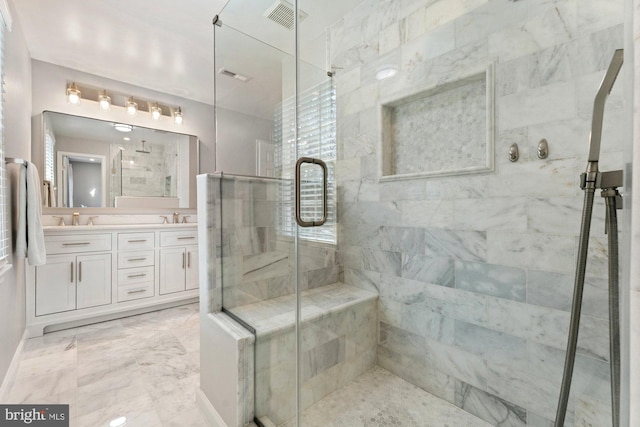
[(444, 130)]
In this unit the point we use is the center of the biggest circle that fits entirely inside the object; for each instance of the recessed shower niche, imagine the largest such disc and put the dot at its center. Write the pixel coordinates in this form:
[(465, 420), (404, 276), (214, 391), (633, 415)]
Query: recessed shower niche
[(441, 131)]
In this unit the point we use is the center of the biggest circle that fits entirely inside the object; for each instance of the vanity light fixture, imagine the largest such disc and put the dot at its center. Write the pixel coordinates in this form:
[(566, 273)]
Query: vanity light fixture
[(177, 116), (156, 111), (132, 104), (104, 101), (132, 107), (73, 94), (121, 127)]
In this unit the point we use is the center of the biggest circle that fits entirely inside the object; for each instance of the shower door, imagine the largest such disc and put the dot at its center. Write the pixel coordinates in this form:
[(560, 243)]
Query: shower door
[(268, 263)]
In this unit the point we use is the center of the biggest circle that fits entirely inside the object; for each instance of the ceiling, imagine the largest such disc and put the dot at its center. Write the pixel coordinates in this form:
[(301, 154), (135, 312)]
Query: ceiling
[(167, 45)]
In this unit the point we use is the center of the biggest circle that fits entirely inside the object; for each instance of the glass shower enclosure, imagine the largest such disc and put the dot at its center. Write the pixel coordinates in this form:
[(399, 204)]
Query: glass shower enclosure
[(375, 257)]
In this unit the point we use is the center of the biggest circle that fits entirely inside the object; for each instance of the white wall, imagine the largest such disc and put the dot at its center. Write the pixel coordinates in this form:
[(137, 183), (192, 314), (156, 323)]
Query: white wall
[(237, 134), (17, 137)]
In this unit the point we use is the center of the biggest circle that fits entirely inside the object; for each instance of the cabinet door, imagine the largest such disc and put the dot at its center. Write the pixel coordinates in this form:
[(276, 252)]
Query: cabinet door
[(173, 264), (93, 280), (56, 285), (192, 267)]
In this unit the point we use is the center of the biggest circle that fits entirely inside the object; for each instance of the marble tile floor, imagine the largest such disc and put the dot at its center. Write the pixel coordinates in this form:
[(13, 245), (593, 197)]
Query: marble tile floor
[(143, 367), (378, 398)]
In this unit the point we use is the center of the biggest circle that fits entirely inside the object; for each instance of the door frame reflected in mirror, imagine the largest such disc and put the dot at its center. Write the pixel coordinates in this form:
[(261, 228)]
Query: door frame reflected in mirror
[(63, 178)]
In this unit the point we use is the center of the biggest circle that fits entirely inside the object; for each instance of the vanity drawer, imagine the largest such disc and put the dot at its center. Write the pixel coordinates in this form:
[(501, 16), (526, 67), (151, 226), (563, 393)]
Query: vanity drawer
[(135, 259), (70, 243), (178, 238), (135, 241), (135, 275), (135, 291)]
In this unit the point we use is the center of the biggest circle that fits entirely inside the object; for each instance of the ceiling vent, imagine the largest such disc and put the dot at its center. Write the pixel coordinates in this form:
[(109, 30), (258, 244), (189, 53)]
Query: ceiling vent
[(236, 76), (281, 12)]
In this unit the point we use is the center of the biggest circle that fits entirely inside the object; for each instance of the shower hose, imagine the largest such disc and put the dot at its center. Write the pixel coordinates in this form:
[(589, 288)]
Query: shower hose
[(574, 325)]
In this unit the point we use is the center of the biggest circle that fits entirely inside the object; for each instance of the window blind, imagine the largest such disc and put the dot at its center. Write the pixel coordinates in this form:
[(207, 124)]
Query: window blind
[(316, 138)]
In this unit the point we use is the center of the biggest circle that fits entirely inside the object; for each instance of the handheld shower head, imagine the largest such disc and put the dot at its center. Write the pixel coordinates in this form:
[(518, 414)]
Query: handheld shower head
[(598, 108)]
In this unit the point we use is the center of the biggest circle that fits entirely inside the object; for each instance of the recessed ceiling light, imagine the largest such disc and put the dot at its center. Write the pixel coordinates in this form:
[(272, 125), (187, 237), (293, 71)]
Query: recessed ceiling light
[(118, 422), (386, 72), (121, 127), (126, 138)]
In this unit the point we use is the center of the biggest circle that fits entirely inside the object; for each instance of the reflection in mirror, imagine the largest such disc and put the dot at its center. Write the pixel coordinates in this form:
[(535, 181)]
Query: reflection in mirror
[(81, 179), (95, 163)]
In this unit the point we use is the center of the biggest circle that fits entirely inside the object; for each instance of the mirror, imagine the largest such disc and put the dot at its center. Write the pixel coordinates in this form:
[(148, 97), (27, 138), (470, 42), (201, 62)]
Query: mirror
[(97, 163)]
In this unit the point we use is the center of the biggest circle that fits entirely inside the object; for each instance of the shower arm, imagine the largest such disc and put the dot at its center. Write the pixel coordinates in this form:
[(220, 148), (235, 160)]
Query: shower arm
[(591, 178)]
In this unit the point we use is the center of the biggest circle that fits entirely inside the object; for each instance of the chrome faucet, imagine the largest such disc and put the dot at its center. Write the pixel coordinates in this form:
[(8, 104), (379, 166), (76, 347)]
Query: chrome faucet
[(176, 217), (76, 218)]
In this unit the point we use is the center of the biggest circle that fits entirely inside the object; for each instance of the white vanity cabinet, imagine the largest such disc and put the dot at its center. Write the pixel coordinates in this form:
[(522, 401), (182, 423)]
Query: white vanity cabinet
[(96, 273), (136, 262), (74, 279), (178, 261)]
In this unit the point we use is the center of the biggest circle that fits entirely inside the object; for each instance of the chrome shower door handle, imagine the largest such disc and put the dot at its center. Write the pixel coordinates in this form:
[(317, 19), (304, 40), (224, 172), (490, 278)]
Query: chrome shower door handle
[(323, 165)]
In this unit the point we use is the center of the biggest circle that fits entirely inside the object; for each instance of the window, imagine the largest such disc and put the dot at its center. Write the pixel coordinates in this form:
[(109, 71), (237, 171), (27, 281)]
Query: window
[(5, 226), (316, 138)]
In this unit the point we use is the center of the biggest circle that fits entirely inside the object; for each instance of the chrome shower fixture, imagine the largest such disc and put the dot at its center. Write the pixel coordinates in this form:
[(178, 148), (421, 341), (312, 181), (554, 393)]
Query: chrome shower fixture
[(143, 150), (608, 182)]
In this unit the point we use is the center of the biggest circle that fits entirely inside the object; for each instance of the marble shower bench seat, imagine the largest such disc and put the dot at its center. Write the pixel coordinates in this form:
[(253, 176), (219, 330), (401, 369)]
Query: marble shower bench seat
[(277, 315), (338, 344)]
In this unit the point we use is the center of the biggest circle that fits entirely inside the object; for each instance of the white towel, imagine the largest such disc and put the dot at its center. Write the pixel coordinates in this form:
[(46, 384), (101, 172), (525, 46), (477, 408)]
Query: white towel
[(30, 237)]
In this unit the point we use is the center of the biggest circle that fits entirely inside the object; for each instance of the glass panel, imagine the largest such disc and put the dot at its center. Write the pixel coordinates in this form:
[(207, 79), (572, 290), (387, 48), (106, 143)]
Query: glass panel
[(256, 258)]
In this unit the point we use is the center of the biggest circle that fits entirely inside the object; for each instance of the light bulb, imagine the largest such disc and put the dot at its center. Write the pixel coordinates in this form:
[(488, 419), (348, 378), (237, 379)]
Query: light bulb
[(132, 107), (73, 94), (105, 101), (177, 116), (156, 111)]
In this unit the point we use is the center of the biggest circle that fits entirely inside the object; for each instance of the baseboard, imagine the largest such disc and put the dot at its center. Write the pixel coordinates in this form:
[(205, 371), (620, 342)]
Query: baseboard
[(10, 376), (211, 415)]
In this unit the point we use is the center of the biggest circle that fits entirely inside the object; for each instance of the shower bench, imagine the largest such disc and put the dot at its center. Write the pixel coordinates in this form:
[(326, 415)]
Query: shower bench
[(338, 343)]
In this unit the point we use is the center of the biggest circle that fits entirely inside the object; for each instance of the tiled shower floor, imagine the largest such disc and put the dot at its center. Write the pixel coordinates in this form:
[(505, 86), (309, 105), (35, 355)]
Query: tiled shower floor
[(378, 398)]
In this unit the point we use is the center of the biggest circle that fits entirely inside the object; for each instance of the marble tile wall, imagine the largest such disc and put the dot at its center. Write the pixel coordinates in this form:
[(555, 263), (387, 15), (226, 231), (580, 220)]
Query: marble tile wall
[(256, 262), (337, 347), (442, 130), (142, 174), (475, 272)]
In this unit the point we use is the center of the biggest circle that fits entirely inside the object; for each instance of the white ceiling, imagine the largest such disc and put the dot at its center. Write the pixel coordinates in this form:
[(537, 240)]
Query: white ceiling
[(167, 45)]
